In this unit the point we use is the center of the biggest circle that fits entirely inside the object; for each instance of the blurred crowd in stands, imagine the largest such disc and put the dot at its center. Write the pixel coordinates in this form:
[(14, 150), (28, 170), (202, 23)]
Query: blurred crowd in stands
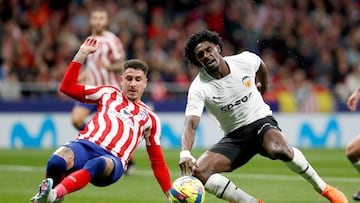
[(311, 47)]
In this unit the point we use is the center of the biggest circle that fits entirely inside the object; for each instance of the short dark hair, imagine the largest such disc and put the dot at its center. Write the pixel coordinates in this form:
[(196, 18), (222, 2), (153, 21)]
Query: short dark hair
[(136, 64), (195, 39), (99, 9)]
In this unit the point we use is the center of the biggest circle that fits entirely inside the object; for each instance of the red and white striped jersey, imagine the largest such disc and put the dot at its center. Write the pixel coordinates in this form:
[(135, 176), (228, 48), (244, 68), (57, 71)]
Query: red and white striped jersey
[(119, 124), (110, 49)]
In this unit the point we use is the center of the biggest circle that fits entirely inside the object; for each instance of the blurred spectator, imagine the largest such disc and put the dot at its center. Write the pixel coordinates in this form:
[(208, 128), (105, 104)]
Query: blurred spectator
[(324, 69), (10, 88), (352, 79), (159, 90), (319, 38), (304, 92), (351, 83)]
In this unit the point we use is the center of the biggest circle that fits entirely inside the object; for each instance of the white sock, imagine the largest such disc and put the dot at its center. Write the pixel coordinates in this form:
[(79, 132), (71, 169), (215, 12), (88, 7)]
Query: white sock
[(52, 196), (357, 165), (300, 165), (224, 189)]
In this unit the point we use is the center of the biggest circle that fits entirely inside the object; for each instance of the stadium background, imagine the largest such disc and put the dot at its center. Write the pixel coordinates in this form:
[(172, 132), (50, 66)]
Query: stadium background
[(311, 48)]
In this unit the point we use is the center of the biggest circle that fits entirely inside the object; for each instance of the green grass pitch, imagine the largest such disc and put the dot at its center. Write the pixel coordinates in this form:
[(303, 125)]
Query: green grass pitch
[(22, 170)]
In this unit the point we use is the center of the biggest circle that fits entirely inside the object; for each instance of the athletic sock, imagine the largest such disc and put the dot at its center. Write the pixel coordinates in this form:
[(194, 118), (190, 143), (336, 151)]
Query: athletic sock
[(56, 168), (357, 165), (73, 182), (300, 165), (224, 189)]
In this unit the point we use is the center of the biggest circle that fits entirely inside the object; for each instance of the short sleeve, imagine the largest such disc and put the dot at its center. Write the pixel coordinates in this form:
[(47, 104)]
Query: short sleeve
[(195, 102), (252, 59)]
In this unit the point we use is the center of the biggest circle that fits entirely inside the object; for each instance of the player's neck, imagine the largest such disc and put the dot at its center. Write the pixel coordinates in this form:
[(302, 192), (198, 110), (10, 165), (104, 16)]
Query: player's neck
[(98, 32), (221, 72)]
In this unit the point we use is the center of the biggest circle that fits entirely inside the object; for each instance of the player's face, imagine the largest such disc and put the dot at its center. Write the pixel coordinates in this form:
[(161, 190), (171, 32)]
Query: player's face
[(98, 21), (208, 54), (133, 83)]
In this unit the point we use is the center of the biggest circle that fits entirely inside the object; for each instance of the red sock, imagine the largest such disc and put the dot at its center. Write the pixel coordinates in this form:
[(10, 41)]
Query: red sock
[(73, 182)]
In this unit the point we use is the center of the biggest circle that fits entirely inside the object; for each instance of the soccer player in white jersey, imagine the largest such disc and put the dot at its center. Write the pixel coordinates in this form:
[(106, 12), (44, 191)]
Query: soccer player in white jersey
[(100, 153), (353, 148), (231, 88)]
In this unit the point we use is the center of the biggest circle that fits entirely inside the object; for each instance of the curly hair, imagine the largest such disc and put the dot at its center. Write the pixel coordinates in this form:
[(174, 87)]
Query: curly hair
[(198, 37)]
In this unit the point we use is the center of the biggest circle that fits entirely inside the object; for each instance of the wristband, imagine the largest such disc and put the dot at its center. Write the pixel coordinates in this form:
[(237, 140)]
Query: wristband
[(187, 154)]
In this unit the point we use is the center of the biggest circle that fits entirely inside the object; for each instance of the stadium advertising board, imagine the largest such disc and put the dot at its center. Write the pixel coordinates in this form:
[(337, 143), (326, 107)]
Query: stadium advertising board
[(49, 130)]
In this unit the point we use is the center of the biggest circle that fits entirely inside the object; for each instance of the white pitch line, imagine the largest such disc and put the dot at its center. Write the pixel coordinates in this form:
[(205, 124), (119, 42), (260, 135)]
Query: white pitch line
[(233, 175), (21, 168)]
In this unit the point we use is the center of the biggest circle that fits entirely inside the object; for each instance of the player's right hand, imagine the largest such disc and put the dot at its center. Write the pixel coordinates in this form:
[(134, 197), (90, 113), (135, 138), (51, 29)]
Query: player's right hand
[(187, 163), (89, 46)]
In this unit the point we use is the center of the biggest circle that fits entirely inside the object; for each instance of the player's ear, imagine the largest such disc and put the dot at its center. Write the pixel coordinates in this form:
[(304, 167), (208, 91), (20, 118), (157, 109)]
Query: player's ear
[(146, 82), (218, 49)]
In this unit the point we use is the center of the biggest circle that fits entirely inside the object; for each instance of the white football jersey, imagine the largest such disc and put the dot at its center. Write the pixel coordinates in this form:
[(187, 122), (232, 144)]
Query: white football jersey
[(233, 101)]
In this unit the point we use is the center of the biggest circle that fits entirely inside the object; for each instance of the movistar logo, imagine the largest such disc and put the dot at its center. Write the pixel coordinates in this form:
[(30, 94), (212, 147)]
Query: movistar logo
[(19, 134), (330, 136)]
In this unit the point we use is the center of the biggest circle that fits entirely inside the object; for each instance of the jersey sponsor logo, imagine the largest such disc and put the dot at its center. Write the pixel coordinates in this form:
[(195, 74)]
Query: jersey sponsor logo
[(127, 117), (237, 102), (124, 115), (246, 81)]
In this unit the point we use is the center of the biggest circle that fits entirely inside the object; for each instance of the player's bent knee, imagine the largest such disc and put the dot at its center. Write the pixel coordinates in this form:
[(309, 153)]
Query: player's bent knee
[(202, 174), (113, 171), (283, 153), (95, 166), (67, 154), (56, 165), (352, 153)]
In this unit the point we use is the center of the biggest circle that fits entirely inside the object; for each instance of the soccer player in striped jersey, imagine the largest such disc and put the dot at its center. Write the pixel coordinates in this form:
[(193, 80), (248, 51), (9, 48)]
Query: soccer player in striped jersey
[(101, 68), (100, 153), (231, 88)]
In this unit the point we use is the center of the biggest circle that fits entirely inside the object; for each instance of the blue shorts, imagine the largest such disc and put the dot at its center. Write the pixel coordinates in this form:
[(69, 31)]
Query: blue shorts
[(91, 107), (85, 150)]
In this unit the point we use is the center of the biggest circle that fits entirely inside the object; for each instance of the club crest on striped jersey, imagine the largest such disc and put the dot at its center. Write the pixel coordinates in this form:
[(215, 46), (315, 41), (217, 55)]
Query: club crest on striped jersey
[(246, 81), (143, 115)]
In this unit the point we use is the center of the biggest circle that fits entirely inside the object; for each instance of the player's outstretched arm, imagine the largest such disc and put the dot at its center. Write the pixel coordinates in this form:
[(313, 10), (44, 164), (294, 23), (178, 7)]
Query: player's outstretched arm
[(187, 161), (69, 85), (160, 168), (261, 78)]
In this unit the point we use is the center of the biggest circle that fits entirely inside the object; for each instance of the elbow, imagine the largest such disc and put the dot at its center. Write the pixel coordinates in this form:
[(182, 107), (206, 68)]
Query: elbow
[(62, 88)]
